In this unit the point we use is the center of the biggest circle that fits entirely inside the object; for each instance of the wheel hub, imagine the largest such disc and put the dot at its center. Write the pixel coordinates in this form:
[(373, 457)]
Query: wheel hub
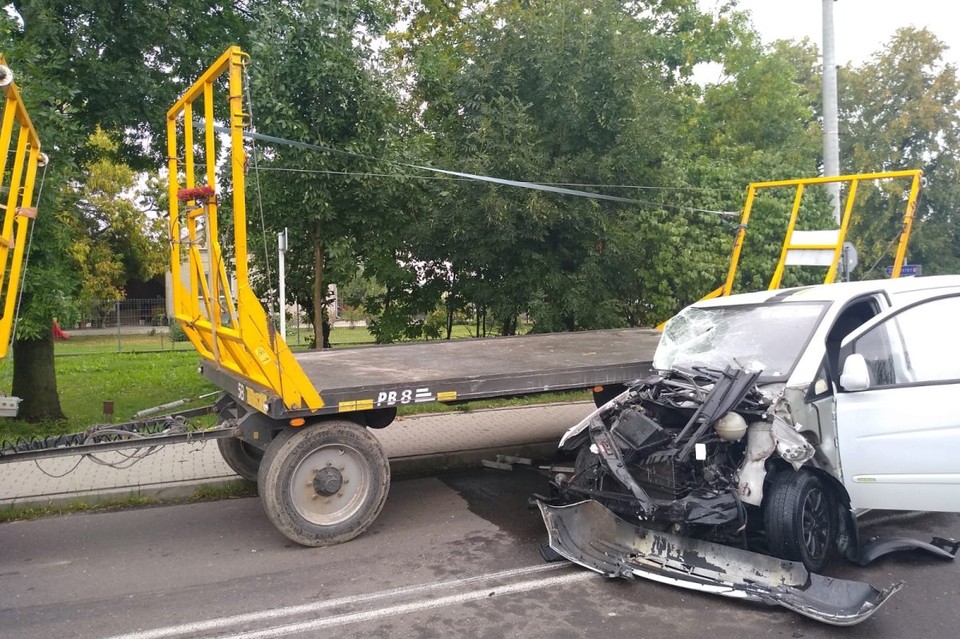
[(815, 528), (329, 484), (328, 481)]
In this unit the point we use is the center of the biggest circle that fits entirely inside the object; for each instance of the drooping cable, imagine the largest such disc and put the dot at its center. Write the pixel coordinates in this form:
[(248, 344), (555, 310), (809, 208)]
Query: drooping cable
[(665, 205), (537, 186), (411, 176), (256, 177), (893, 240)]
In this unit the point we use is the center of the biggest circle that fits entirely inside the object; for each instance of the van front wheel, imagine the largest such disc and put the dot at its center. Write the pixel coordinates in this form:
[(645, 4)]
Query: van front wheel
[(800, 519)]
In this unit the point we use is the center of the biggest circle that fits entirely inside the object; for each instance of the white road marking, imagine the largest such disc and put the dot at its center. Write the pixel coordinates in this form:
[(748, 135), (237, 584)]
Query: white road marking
[(288, 611), (416, 606)]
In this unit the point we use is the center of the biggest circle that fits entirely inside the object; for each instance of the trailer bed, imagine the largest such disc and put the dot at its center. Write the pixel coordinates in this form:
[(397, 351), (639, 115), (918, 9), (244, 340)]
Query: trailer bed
[(464, 369), (382, 377)]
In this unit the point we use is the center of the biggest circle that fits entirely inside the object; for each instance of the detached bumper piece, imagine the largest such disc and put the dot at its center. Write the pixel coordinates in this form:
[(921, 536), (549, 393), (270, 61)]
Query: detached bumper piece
[(938, 546), (588, 534)]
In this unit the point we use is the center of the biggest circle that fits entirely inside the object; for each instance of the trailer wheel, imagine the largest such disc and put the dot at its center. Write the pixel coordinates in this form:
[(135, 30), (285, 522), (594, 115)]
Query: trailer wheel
[(800, 519), (240, 456), (324, 484)]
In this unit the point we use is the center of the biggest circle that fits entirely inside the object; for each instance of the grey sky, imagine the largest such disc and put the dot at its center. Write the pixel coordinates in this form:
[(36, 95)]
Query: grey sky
[(862, 26)]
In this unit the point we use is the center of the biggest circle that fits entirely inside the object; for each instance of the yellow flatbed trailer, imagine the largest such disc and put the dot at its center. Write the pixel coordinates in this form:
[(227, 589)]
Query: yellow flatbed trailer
[(370, 383), (302, 418)]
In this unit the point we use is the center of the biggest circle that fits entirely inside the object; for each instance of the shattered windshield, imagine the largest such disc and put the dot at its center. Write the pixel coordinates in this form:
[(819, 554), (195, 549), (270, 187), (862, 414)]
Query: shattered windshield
[(764, 337)]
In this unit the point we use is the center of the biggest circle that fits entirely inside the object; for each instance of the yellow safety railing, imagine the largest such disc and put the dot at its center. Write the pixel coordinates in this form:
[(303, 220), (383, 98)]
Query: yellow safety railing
[(822, 247), (226, 324), (18, 143)]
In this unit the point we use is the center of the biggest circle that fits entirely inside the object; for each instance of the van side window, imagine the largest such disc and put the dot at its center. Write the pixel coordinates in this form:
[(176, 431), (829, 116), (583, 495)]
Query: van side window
[(849, 320), (919, 345)]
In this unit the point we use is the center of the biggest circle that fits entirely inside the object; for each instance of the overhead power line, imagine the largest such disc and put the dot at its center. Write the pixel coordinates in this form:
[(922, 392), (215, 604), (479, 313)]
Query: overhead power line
[(537, 186)]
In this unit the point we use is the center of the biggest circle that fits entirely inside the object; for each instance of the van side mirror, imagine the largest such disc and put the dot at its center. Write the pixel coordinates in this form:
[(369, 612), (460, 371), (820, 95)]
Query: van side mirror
[(855, 375)]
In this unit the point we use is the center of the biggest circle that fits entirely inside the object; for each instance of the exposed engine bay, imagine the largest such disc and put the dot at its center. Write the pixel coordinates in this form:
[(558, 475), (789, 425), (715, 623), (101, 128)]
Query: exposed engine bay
[(668, 484), (687, 449)]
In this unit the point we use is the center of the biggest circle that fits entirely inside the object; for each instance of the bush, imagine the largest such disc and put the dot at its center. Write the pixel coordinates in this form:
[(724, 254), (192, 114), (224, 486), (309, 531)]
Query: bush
[(435, 325), (176, 332)]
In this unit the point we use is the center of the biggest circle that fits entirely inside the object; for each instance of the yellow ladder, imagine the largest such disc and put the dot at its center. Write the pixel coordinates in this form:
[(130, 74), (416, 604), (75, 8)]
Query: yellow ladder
[(19, 141), (222, 317), (820, 247)]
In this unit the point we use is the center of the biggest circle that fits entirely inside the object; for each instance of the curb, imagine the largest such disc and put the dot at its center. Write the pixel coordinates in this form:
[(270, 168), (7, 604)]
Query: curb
[(161, 492), (418, 445), (400, 467)]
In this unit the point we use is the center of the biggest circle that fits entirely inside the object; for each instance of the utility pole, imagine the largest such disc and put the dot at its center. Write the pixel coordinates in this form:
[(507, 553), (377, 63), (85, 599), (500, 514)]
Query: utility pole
[(831, 129), (282, 254)]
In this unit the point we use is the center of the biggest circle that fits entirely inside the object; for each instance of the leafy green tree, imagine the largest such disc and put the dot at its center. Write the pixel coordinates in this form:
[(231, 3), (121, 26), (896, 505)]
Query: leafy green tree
[(113, 239), (117, 65), (48, 291), (758, 122), (556, 93), (901, 110), (316, 79), (84, 64)]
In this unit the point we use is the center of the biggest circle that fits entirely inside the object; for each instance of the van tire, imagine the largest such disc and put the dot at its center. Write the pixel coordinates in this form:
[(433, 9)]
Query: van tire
[(800, 519)]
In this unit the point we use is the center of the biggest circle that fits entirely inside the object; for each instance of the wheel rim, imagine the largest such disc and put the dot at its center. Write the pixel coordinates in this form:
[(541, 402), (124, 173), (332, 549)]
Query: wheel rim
[(330, 484), (815, 525)]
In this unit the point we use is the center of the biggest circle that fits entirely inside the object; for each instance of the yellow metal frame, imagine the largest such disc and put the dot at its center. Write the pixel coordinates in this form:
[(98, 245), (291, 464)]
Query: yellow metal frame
[(788, 243), (18, 208), (228, 327)]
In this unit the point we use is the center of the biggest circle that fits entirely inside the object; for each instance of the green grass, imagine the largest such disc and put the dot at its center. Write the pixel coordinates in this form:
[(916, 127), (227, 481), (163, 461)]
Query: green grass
[(342, 336), (232, 490), (339, 336), (132, 381), (90, 371)]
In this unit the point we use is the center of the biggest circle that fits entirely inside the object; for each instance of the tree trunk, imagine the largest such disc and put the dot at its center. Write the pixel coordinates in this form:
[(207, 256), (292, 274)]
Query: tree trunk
[(510, 325), (321, 325), (35, 379), (451, 309)]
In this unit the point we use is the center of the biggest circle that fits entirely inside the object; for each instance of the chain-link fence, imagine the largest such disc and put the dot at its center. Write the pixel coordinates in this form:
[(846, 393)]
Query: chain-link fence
[(124, 313), (142, 325)]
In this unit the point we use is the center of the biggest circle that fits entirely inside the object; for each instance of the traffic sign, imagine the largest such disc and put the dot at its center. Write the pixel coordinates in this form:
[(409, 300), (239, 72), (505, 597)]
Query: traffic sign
[(907, 270)]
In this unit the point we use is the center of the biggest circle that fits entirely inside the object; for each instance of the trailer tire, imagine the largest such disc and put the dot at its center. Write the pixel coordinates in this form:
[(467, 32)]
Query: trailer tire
[(243, 458), (324, 484), (800, 519)]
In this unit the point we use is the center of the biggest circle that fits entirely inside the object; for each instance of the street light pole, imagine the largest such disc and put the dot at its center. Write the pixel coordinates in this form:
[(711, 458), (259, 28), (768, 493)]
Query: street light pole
[(282, 253), (831, 129)]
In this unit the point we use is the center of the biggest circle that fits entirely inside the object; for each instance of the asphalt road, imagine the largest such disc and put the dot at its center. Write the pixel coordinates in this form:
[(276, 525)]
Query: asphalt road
[(451, 556)]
